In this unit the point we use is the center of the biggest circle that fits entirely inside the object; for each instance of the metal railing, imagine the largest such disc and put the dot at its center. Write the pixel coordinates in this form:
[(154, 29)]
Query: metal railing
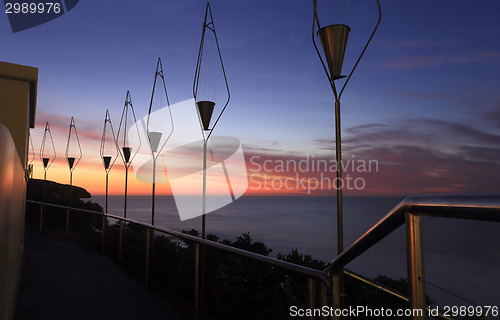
[(315, 276), (410, 212)]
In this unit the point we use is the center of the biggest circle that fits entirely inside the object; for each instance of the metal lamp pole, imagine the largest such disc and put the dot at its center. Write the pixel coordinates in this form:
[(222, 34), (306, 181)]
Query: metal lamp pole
[(126, 150), (73, 156), (108, 154), (31, 158), (206, 107), (47, 157), (108, 157), (334, 41), (157, 135)]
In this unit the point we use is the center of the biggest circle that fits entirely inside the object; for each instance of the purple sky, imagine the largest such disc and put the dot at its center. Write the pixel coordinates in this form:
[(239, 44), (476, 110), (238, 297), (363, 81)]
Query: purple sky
[(424, 102)]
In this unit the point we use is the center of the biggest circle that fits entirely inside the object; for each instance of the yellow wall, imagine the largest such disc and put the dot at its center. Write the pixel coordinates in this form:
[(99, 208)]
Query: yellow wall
[(14, 110), (17, 114), (17, 103), (12, 206)]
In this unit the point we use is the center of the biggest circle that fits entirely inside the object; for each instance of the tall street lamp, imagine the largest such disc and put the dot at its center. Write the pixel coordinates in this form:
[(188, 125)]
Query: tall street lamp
[(31, 158), (108, 150), (47, 151), (47, 155), (158, 128), (73, 149), (128, 146), (73, 156), (333, 39), (109, 153), (206, 104)]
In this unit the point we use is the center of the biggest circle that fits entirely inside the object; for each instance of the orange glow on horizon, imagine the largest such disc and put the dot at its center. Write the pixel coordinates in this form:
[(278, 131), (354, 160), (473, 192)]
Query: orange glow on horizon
[(262, 181), (91, 176)]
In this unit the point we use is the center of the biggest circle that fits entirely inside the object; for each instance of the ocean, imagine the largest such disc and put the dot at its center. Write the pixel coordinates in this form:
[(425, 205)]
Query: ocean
[(461, 256)]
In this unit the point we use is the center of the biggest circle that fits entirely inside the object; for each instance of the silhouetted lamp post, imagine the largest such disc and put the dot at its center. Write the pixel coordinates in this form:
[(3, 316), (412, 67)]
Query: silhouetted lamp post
[(206, 105), (31, 157), (126, 147), (333, 39), (73, 149), (47, 155), (47, 151), (334, 42), (108, 151), (159, 129), (73, 156)]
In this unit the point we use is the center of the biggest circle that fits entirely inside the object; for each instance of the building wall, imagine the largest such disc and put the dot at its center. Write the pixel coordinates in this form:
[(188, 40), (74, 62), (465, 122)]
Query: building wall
[(12, 206), (17, 110), (17, 103)]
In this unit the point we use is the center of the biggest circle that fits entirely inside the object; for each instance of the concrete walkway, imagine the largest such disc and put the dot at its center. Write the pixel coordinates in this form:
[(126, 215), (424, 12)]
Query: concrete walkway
[(61, 281)]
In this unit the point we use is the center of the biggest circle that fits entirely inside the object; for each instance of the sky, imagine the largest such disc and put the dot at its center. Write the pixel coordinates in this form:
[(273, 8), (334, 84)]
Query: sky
[(421, 114)]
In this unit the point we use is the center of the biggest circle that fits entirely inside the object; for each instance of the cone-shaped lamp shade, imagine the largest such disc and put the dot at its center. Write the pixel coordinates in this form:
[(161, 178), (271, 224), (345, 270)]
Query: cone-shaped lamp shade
[(73, 148), (127, 151), (108, 150), (154, 140), (107, 161), (128, 136), (334, 41), (71, 162), (159, 125), (206, 108), (47, 149)]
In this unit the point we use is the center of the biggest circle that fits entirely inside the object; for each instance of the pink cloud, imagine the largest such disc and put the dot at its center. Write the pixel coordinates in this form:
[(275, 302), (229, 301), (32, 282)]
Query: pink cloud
[(431, 156), (412, 62)]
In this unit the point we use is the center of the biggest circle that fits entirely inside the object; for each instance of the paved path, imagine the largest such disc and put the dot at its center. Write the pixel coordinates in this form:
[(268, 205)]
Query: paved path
[(61, 281)]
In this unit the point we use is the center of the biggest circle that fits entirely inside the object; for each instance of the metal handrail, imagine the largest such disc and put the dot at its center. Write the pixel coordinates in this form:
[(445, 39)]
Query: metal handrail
[(474, 207), (409, 211), (319, 275), (387, 290)]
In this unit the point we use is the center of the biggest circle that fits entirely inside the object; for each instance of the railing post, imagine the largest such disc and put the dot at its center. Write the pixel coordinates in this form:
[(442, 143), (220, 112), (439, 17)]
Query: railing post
[(103, 232), (196, 279), (202, 278), (415, 262), (67, 224), (41, 218), (311, 292), (120, 244), (148, 240), (336, 291), (324, 301)]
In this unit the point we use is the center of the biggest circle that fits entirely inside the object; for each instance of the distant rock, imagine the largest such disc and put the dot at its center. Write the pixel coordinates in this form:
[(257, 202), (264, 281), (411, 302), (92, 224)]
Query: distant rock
[(61, 194)]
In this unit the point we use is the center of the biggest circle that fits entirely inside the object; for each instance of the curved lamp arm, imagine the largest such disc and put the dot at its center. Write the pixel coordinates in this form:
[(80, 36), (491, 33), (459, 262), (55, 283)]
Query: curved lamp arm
[(123, 126), (316, 22), (107, 122), (159, 73), (42, 148), (364, 49), (332, 83), (211, 26), (72, 126)]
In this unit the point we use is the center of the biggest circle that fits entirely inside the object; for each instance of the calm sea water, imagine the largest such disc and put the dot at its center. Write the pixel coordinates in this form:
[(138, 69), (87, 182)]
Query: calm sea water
[(461, 256)]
